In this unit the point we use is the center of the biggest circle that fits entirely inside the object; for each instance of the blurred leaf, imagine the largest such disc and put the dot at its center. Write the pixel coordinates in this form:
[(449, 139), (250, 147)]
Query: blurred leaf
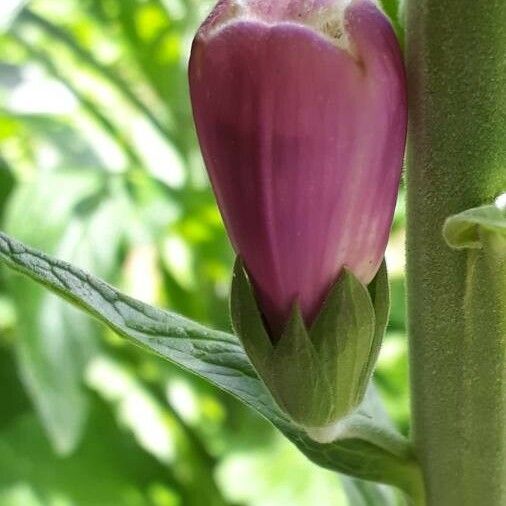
[(398, 303), (13, 398), (392, 375), (6, 185), (364, 450), (159, 431), (109, 469), (67, 39), (54, 340), (9, 9), (10, 77), (156, 43), (362, 493), (259, 477), (87, 101), (71, 147)]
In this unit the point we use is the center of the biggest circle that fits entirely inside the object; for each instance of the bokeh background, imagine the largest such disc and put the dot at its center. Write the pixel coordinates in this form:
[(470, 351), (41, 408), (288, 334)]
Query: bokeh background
[(99, 166)]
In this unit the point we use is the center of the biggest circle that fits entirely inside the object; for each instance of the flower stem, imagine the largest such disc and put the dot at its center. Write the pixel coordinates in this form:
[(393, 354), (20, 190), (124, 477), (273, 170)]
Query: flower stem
[(457, 160)]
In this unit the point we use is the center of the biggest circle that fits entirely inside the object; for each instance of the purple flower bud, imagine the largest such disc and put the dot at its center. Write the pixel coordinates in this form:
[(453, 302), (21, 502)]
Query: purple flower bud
[(300, 109)]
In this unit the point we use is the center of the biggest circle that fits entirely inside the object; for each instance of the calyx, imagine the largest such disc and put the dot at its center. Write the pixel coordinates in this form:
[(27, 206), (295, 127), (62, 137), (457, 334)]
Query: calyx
[(317, 376)]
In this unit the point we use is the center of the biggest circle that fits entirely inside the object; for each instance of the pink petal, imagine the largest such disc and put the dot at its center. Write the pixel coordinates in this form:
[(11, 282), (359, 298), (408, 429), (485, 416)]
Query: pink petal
[(303, 143)]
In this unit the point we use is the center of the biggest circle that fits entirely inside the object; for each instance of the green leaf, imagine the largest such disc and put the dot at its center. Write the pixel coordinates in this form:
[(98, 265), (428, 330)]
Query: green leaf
[(465, 230), (54, 340), (365, 448)]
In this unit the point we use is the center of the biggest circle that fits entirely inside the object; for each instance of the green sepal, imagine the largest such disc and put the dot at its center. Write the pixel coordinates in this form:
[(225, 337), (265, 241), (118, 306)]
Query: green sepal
[(316, 376), (247, 320), (295, 367), (342, 334), (379, 291)]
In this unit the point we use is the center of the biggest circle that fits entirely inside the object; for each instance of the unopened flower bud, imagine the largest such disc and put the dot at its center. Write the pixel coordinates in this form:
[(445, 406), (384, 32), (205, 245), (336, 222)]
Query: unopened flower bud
[(300, 109)]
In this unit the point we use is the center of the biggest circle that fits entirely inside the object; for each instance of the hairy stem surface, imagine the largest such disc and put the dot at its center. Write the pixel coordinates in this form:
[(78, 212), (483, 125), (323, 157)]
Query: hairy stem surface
[(456, 56)]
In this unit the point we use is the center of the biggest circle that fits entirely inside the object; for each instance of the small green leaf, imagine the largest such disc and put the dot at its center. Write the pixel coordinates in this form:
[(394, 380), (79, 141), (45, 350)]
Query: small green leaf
[(465, 230), (369, 449)]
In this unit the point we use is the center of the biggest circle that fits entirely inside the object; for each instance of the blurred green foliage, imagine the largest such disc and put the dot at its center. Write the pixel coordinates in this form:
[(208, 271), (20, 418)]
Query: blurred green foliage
[(99, 166)]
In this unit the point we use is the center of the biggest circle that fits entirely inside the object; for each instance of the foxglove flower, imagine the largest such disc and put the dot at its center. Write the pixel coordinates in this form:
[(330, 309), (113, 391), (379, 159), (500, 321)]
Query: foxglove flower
[(300, 109)]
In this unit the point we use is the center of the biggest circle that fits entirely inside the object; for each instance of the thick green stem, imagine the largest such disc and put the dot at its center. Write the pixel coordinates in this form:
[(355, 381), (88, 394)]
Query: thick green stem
[(456, 54)]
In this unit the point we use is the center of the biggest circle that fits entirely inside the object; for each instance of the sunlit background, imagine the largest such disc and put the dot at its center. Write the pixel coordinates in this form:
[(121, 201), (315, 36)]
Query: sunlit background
[(99, 166)]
